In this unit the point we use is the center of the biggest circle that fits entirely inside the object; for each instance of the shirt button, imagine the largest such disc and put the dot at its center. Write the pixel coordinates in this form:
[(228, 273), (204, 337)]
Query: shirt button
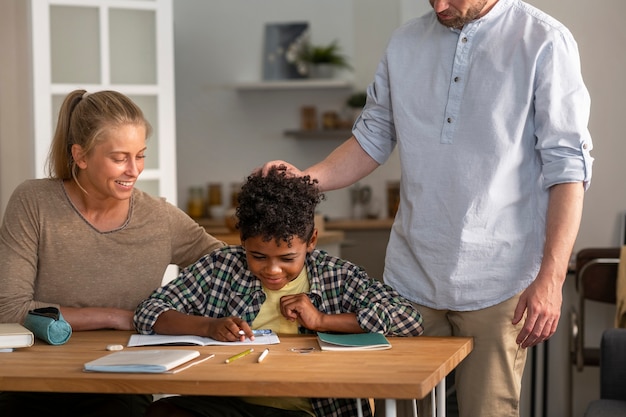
[(449, 119), (456, 79), (585, 146), (464, 40)]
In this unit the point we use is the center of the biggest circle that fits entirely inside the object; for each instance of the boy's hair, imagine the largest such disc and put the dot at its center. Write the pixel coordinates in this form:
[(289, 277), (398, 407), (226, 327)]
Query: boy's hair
[(278, 206)]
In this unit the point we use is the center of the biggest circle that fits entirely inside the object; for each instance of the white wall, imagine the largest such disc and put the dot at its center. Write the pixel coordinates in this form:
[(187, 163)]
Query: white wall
[(16, 132)]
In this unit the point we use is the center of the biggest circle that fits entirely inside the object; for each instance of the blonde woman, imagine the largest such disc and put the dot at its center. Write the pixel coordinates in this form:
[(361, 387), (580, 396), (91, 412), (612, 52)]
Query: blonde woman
[(86, 241)]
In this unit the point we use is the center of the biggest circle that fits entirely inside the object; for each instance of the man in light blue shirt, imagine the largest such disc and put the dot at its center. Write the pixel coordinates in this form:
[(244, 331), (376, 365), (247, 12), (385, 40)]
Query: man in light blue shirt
[(486, 103)]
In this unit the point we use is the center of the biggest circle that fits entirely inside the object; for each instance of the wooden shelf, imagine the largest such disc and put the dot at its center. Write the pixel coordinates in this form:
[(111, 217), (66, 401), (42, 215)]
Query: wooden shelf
[(363, 224), (319, 134), (293, 84)]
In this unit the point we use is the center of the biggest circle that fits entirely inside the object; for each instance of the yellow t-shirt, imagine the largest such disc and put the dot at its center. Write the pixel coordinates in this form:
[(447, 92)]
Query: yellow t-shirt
[(269, 317)]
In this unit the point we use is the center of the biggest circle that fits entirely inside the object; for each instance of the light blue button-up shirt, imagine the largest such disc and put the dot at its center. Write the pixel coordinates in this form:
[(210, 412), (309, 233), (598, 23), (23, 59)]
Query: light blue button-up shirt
[(486, 119)]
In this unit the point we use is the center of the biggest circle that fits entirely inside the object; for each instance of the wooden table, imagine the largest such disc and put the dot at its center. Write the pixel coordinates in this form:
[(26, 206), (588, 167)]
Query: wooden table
[(412, 368)]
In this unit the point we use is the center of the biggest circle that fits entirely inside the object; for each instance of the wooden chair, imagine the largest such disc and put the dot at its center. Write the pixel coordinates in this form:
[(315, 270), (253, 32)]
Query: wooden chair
[(596, 280)]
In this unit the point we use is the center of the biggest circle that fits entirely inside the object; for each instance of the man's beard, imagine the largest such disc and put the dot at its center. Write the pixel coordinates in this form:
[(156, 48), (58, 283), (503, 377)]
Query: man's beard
[(459, 21)]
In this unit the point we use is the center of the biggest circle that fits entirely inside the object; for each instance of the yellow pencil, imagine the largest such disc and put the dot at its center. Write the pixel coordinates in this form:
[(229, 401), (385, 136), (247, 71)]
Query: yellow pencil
[(239, 355)]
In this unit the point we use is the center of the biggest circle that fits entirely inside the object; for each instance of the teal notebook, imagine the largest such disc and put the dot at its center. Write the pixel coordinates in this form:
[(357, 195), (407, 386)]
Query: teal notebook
[(353, 341)]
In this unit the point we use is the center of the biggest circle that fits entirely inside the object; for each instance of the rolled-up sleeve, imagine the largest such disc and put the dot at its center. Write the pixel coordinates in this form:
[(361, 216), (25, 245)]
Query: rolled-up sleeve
[(374, 128), (562, 108)]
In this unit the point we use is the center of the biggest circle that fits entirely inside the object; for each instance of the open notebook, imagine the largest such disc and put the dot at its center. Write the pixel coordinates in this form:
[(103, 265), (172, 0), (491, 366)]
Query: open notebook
[(183, 340)]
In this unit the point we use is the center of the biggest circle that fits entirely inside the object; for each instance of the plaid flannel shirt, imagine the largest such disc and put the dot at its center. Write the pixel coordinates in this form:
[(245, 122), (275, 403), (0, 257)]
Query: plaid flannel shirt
[(221, 285)]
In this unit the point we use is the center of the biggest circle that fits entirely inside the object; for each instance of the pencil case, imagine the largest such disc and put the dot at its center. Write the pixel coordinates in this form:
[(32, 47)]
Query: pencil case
[(48, 324)]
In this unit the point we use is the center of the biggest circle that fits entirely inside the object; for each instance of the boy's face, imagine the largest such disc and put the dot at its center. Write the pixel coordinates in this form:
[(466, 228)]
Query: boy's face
[(274, 262)]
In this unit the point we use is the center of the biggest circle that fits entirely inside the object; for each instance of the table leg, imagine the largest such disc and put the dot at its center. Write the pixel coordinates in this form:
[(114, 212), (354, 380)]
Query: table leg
[(441, 399), (433, 403), (390, 408), (438, 394)]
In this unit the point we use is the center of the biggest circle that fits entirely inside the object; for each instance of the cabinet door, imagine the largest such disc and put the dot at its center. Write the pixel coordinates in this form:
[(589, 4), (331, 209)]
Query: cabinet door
[(108, 45)]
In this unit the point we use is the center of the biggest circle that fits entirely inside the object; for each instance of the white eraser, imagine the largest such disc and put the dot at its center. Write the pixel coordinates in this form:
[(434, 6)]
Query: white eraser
[(115, 347)]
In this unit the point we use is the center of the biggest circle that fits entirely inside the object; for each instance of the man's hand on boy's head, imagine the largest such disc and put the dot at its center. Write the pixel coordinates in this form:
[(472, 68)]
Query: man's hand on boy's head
[(298, 307), (230, 329), (290, 168)]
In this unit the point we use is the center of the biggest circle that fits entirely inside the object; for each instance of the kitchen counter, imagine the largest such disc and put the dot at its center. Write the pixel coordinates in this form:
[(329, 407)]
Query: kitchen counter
[(218, 229), (323, 238), (365, 242)]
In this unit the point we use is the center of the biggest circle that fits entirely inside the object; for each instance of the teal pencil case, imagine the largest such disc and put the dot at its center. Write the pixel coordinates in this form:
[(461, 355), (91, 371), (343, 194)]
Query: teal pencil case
[(48, 324)]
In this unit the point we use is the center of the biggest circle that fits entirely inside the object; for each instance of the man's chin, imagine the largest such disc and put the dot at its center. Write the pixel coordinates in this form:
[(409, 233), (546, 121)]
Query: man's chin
[(450, 23)]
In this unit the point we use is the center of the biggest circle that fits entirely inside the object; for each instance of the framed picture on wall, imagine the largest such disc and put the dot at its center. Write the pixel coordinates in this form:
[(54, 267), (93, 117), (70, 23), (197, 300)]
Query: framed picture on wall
[(282, 41)]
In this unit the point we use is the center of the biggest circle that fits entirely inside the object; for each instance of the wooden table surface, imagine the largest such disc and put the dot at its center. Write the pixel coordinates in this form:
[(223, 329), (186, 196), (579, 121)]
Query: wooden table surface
[(410, 369)]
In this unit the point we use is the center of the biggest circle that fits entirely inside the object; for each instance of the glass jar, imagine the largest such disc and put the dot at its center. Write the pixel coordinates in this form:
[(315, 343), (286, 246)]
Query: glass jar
[(195, 202)]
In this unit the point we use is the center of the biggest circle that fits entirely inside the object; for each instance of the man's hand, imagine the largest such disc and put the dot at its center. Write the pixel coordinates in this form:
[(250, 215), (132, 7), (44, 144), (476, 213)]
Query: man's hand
[(542, 302), (290, 168)]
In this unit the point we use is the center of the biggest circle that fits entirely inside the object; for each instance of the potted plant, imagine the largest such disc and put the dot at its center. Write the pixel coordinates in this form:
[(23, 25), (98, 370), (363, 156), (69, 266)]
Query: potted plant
[(320, 61), (355, 104), (357, 100)]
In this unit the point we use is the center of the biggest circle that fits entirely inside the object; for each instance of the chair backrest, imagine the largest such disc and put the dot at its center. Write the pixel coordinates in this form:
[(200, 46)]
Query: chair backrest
[(596, 274), (596, 280)]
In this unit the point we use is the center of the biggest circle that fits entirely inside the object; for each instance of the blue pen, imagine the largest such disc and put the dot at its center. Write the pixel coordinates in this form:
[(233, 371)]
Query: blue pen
[(259, 332)]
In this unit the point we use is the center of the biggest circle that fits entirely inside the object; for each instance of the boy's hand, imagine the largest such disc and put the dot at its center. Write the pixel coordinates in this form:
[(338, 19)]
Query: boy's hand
[(229, 329), (298, 307)]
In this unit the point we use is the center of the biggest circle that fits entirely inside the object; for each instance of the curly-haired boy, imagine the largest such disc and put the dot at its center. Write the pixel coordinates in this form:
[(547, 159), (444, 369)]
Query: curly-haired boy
[(275, 280)]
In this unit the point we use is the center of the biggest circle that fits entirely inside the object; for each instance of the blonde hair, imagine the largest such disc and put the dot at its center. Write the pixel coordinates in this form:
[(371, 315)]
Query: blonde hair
[(83, 120)]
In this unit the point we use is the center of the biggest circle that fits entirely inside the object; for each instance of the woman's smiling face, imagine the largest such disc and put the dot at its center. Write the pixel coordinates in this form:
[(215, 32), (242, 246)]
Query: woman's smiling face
[(113, 166)]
